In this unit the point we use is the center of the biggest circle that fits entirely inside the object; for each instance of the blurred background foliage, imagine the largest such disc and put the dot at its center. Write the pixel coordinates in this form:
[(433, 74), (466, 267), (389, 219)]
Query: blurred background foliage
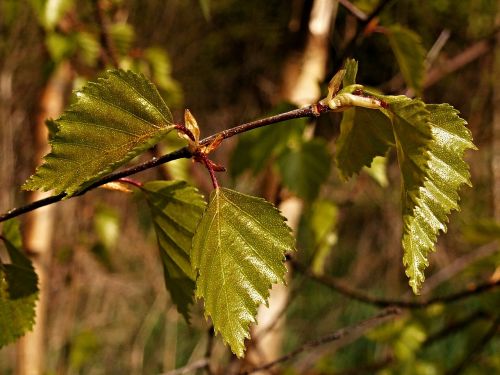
[(225, 60)]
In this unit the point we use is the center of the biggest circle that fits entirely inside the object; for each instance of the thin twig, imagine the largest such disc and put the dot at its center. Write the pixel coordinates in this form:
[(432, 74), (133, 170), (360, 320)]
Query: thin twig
[(361, 296), (193, 366), (340, 334), (459, 265), (356, 12), (313, 110), (130, 181), (436, 48), (464, 58), (210, 169)]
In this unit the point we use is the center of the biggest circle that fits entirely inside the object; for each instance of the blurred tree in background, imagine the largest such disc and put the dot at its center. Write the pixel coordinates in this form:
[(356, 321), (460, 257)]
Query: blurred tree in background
[(106, 307)]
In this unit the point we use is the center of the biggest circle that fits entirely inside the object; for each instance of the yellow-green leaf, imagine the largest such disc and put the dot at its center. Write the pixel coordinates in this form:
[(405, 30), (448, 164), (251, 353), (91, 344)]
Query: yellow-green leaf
[(238, 253), (111, 121), (432, 185), (176, 209)]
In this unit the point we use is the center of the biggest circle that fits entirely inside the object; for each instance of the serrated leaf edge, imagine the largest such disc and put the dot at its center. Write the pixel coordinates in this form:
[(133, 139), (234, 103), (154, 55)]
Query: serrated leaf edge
[(35, 182)]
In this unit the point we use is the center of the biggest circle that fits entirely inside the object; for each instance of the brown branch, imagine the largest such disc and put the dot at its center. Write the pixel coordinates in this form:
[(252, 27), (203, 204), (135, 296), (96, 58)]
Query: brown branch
[(459, 265), (313, 110), (343, 333), (196, 365), (362, 296), (464, 58)]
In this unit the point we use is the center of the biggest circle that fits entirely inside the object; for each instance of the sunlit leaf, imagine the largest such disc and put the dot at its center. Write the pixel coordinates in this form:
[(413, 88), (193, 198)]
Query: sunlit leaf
[(431, 183), (238, 253), (18, 288), (176, 209), (303, 169), (364, 134), (112, 121), (410, 55)]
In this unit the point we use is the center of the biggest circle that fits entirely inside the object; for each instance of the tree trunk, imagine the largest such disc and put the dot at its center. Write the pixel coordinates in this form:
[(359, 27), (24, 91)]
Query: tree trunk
[(40, 227), (302, 77)]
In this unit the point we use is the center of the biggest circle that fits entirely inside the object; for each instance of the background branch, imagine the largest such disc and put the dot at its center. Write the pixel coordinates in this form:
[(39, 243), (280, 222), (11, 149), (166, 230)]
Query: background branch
[(343, 333), (193, 366), (361, 296)]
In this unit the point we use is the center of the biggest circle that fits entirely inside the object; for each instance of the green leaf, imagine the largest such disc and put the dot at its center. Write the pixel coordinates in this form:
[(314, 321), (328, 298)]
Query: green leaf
[(20, 275), (317, 234), (176, 209), (410, 54), (351, 70), (305, 168), (431, 184), (258, 147), (112, 121), (17, 316), (60, 46), (238, 253), (364, 134), (122, 36), (18, 288), (88, 47)]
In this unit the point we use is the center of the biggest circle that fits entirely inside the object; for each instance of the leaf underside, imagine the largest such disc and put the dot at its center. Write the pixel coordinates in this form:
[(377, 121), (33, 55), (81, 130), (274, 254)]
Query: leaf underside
[(364, 134), (110, 122), (176, 209), (18, 288), (238, 253)]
